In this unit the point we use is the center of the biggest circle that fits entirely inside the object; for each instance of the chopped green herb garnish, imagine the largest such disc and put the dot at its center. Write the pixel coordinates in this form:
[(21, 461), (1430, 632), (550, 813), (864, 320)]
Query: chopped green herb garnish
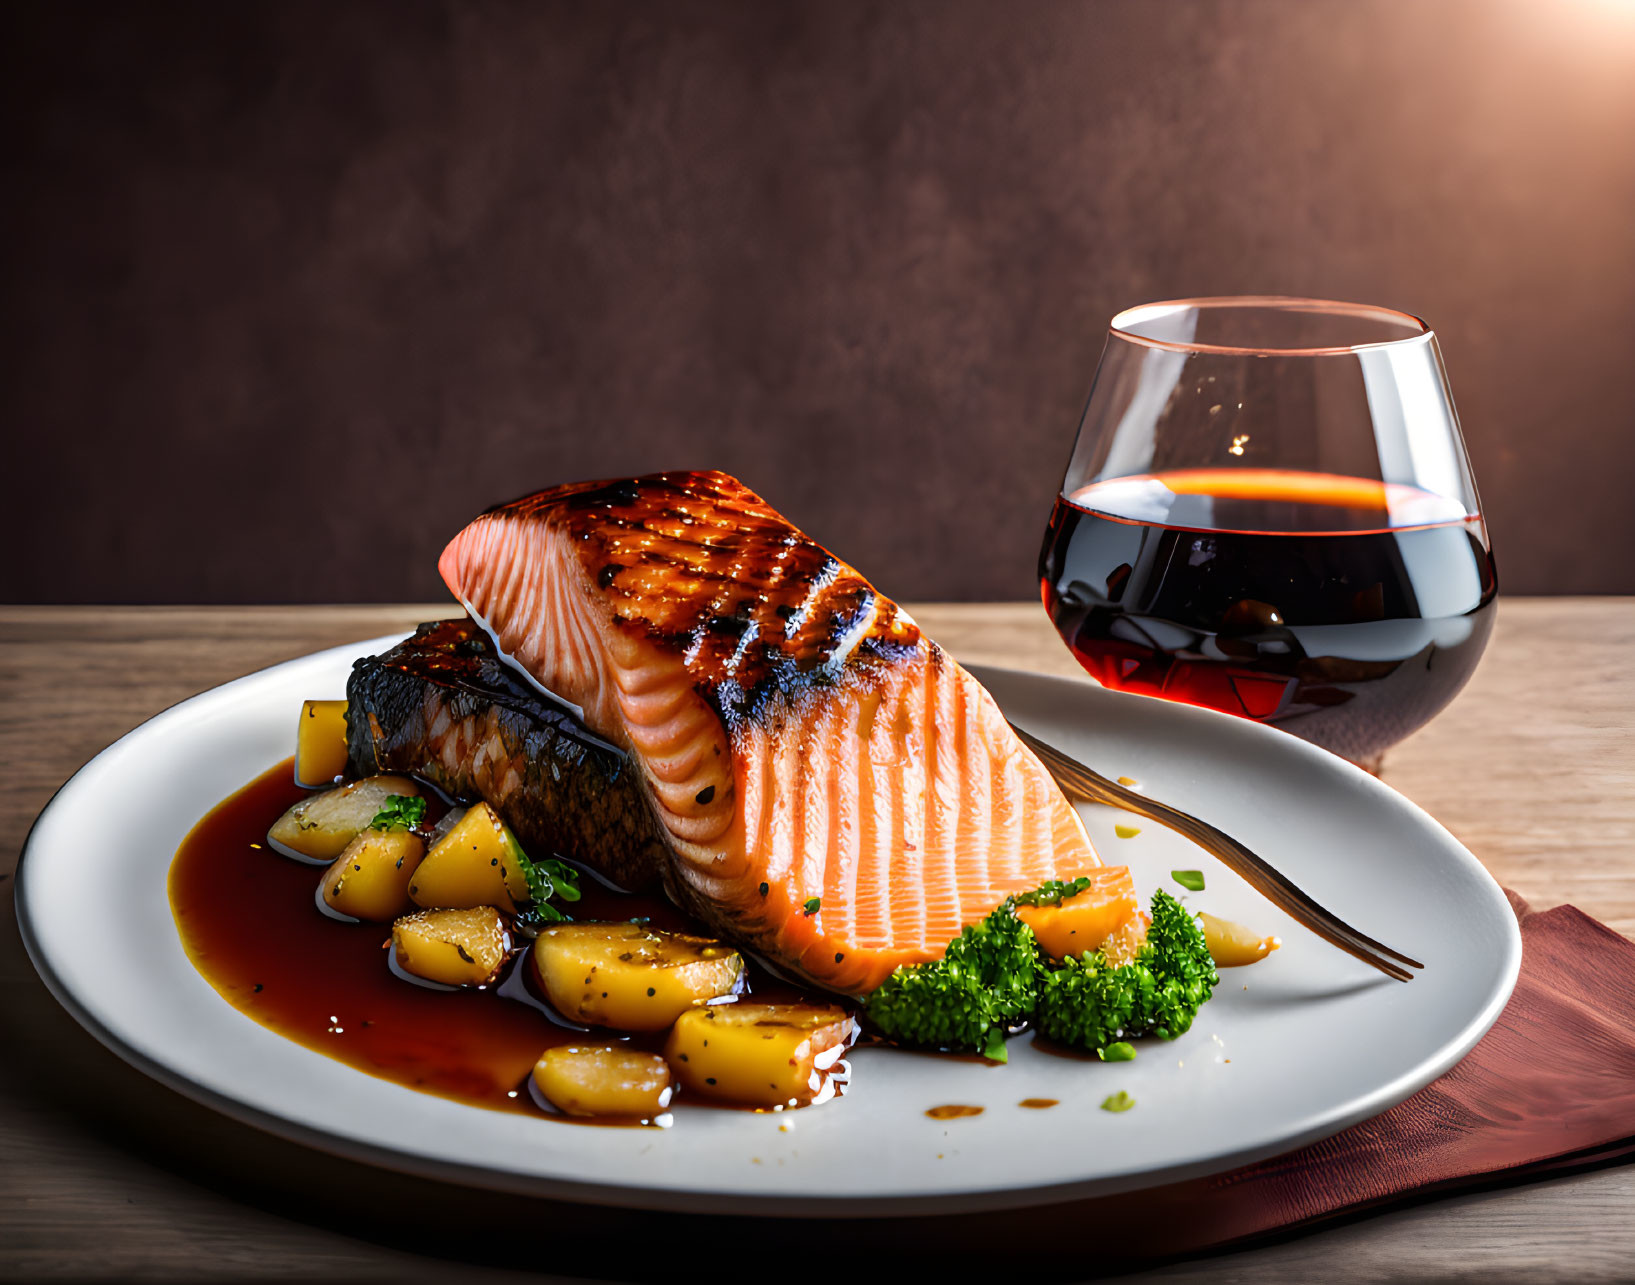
[(1191, 880), (1120, 1101), (994, 1049), (1119, 1052), (812, 905), (548, 879), (399, 812), (535, 914), (1052, 892)]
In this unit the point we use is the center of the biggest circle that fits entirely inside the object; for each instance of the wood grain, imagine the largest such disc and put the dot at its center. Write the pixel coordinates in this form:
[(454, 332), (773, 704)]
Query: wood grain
[(1532, 767)]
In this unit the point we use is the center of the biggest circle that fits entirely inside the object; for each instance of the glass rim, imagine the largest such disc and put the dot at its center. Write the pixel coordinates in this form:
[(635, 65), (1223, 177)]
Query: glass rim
[(1284, 303)]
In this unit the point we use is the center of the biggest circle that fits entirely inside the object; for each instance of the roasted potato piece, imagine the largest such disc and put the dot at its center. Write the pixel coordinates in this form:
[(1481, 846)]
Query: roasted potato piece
[(1083, 921), (763, 1055), (600, 1080), (320, 743), (319, 828), (1232, 945), (629, 976), (464, 947), (370, 879), (474, 864)]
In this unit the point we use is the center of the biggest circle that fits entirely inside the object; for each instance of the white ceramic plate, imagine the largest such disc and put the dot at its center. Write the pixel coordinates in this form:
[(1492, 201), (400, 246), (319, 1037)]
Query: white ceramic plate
[(1290, 1050)]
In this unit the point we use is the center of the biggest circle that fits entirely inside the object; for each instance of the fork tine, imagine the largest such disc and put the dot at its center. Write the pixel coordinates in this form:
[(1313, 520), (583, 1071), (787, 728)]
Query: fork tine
[(1277, 888), (1266, 881), (1263, 877)]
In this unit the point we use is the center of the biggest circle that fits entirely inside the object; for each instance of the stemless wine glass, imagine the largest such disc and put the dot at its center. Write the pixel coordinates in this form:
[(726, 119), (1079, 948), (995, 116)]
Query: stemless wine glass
[(1269, 511)]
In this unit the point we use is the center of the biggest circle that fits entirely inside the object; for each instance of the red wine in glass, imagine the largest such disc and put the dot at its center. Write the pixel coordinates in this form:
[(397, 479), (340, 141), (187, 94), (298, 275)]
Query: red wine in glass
[(1305, 608), (1206, 548)]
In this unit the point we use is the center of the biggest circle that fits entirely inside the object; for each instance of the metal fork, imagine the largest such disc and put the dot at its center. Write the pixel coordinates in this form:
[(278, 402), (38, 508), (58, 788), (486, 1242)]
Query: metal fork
[(1078, 781)]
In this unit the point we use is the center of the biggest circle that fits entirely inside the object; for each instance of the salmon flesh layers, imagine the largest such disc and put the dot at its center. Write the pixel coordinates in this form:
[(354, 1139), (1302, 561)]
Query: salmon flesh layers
[(834, 790), (443, 706)]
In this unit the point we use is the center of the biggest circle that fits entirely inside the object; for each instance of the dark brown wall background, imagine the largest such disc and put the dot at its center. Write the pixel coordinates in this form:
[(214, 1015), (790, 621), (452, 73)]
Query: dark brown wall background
[(290, 291)]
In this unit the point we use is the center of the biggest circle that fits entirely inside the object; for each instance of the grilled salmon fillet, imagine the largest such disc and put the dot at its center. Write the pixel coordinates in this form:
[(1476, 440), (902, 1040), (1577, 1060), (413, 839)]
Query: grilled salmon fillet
[(834, 790), (442, 706)]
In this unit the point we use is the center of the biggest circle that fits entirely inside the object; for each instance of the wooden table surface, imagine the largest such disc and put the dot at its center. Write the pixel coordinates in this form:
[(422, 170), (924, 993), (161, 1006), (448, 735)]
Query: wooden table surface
[(106, 1175)]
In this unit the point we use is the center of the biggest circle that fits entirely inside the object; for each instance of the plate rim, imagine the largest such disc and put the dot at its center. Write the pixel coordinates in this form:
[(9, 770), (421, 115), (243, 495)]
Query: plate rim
[(818, 1204)]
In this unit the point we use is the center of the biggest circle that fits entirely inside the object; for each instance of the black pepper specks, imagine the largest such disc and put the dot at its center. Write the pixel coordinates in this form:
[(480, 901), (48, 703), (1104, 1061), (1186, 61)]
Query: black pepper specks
[(705, 796), (765, 888), (651, 992)]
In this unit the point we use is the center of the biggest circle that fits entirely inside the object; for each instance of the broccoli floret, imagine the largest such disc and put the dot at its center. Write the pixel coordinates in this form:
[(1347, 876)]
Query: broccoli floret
[(1001, 953), (1087, 1004), (987, 979), (993, 975), (1181, 962), (938, 1005)]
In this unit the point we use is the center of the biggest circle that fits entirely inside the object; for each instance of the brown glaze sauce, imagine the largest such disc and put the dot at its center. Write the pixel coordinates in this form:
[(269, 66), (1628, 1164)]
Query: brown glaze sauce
[(248, 920), (1038, 1104), (954, 1111), (1045, 1044)]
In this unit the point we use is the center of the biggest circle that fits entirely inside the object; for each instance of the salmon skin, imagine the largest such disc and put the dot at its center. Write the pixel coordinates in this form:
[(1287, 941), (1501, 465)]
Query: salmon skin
[(834, 791), (442, 706)]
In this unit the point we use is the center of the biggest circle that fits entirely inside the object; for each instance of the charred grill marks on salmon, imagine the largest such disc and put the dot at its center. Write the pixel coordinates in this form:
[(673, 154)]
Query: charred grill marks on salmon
[(701, 565), (442, 706), (791, 726)]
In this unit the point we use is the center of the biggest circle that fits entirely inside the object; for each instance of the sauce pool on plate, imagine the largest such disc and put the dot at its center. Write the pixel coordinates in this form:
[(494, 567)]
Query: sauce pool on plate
[(248, 922)]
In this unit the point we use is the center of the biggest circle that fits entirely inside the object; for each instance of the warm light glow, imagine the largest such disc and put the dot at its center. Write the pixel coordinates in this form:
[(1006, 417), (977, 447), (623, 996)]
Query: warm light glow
[(1280, 484), (1149, 497)]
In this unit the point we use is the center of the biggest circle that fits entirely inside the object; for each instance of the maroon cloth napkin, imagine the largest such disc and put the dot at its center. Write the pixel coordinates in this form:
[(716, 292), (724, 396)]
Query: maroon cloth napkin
[(1550, 1087)]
